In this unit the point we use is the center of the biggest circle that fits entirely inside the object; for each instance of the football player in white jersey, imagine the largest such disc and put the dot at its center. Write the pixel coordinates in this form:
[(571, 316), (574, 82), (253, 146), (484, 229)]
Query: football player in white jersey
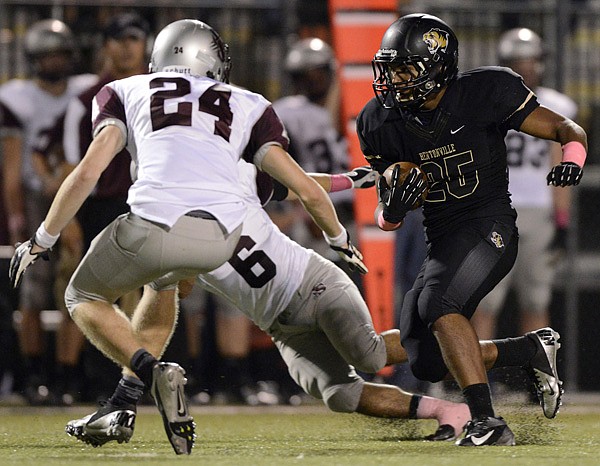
[(29, 108), (314, 314), (186, 129), (543, 212)]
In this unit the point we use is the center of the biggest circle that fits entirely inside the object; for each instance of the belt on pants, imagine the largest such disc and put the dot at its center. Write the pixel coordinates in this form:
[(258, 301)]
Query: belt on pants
[(200, 214)]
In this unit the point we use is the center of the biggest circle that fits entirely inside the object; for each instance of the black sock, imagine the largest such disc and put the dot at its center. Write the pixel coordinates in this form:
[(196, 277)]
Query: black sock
[(479, 399), (514, 351), (34, 364), (128, 392), (233, 373), (414, 405), (142, 363), (68, 377)]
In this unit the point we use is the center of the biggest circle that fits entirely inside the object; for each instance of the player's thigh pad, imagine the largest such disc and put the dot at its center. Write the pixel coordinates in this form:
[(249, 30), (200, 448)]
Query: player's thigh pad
[(36, 289), (464, 266), (327, 299)]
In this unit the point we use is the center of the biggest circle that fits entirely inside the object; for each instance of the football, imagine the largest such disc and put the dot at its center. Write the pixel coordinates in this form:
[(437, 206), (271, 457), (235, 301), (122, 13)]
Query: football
[(405, 168)]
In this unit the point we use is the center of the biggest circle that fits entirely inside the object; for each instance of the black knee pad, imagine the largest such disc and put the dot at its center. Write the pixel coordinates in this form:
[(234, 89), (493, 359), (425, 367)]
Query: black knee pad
[(425, 357), (428, 372)]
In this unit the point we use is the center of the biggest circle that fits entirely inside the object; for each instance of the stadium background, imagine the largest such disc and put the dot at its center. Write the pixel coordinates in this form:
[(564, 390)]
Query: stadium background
[(259, 32)]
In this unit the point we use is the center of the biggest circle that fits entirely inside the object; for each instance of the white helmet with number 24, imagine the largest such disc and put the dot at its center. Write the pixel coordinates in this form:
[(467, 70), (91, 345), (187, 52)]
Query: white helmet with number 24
[(191, 47)]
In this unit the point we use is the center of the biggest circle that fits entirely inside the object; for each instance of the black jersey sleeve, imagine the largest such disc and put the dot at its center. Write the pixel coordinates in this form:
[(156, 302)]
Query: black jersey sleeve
[(513, 100)]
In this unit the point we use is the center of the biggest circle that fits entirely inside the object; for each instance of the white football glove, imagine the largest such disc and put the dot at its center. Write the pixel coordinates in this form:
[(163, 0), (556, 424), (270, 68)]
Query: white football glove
[(21, 259), (350, 255), (362, 177)]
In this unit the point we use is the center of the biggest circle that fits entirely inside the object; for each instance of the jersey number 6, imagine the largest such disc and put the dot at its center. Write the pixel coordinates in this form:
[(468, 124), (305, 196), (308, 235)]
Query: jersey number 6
[(256, 268)]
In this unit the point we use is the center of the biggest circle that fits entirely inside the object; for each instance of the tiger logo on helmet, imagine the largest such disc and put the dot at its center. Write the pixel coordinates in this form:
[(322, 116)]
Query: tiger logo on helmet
[(436, 40)]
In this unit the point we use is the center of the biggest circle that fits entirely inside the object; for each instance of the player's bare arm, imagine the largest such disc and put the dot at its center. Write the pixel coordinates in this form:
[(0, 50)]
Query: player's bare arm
[(280, 165), (359, 178), (80, 183), (547, 124)]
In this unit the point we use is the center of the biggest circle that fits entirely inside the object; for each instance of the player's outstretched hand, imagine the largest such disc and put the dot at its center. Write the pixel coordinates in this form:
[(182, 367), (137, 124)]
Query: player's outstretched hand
[(23, 258), (402, 198), (565, 174), (362, 177), (347, 251)]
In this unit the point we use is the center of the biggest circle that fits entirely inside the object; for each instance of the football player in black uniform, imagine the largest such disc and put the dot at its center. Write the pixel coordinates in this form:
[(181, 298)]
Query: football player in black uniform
[(453, 125)]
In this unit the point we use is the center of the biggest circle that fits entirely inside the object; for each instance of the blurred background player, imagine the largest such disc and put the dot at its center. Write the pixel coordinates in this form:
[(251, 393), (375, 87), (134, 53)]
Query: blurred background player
[(123, 54), (543, 211), (30, 108), (315, 140)]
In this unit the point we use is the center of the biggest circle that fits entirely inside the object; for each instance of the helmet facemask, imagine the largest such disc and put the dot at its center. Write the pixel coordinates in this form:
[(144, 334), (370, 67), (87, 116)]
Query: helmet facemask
[(406, 83)]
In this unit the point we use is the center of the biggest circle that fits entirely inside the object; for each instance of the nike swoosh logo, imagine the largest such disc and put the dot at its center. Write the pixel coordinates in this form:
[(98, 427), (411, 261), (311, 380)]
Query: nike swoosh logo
[(548, 384), (454, 131), (481, 440), (181, 411)]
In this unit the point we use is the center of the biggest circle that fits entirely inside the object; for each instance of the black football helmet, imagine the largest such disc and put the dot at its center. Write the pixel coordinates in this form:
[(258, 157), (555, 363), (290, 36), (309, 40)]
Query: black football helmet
[(424, 51)]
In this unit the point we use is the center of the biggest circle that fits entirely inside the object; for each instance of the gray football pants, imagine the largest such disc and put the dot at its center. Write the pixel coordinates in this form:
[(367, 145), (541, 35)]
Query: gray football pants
[(132, 251), (324, 333)]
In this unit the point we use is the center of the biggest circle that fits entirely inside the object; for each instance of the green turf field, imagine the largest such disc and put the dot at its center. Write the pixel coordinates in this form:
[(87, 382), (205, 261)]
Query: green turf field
[(301, 436)]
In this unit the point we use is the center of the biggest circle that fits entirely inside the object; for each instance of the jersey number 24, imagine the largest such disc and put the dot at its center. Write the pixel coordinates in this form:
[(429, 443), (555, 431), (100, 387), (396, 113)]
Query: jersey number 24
[(214, 101)]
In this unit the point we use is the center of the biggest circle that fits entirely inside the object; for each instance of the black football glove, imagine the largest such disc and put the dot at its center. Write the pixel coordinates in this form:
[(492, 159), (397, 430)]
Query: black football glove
[(565, 174), (362, 177), (350, 255), (21, 259), (558, 245), (398, 200)]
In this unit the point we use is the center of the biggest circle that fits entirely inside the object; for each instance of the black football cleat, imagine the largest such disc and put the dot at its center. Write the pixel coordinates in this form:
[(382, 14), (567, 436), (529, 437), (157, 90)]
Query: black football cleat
[(487, 431), (445, 432), (109, 423), (542, 370)]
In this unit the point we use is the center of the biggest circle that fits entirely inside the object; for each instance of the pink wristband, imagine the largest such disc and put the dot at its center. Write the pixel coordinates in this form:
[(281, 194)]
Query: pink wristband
[(340, 183), (561, 218), (574, 152), (385, 225)]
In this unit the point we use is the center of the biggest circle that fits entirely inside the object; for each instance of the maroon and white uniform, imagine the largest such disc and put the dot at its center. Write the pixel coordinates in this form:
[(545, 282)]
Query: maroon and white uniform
[(186, 135), (314, 313), (31, 112)]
